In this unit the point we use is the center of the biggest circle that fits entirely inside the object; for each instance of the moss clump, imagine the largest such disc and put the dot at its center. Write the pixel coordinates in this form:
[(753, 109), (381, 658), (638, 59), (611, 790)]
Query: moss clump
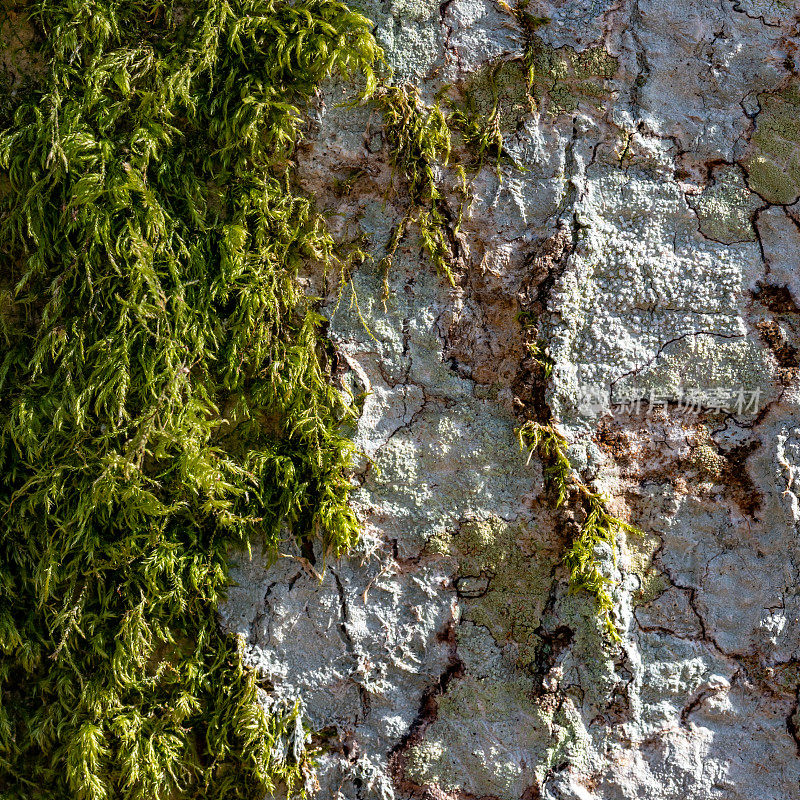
[(150, 239), (492, 103), (598, 526), (419, 142)]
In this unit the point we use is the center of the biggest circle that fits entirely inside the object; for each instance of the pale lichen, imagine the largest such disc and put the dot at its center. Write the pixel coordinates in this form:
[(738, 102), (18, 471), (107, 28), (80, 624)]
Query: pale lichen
[(563, 78), (528, 737), (504, 575)]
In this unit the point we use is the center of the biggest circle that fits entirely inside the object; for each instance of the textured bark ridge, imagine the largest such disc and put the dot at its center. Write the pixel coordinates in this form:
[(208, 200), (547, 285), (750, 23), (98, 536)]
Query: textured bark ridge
[(643, 228)]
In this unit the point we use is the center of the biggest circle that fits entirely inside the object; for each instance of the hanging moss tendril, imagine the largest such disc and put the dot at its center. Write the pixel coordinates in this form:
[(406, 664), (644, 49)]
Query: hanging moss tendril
[(164, 391), (419, 144), (599, 527)]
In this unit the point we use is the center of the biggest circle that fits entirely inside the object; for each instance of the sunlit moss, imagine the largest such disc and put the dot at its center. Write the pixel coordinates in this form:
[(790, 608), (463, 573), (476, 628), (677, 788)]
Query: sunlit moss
[(164, 394), (598, 527), (419, 143)]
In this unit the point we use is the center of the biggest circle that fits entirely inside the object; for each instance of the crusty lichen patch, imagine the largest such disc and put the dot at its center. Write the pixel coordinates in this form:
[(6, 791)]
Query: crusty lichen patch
[(497, 731), (556, 80), (647, 306), (639, 292), (773, 162), (503, 579), (652, 582), (561, 78), (726, 207), (729, 374), (408, 33), (492, 739)]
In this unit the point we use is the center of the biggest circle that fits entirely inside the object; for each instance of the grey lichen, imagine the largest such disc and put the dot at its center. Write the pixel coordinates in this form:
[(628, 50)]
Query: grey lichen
[(504, 575)]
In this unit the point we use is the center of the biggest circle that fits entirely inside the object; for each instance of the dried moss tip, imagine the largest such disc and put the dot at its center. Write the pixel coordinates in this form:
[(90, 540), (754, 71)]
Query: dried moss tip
[(165, 394)]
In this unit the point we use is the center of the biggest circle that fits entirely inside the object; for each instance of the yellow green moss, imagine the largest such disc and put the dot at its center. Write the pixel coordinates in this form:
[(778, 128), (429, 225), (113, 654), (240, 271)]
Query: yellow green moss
[(152, 235), (598, 527), (499, 90), (419, 143)]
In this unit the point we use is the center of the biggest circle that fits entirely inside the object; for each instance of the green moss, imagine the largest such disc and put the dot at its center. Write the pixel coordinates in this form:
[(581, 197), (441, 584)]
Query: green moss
[(490, 105), (419, 142), (151, 236), (773, 161), (597, 528)]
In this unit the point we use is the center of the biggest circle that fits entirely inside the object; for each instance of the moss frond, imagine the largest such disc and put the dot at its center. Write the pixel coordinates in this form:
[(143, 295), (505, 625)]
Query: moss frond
[(481, 135), (539, 353), (551, 447), (164, 388), (599, 527), (419, 142)]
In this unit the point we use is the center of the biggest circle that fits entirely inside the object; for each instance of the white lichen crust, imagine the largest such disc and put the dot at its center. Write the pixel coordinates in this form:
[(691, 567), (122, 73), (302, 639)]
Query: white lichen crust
[(647, 218)]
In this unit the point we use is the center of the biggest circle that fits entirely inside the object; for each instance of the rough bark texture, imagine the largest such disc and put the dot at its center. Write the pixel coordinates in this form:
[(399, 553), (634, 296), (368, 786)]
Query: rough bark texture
[(650, 225)]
